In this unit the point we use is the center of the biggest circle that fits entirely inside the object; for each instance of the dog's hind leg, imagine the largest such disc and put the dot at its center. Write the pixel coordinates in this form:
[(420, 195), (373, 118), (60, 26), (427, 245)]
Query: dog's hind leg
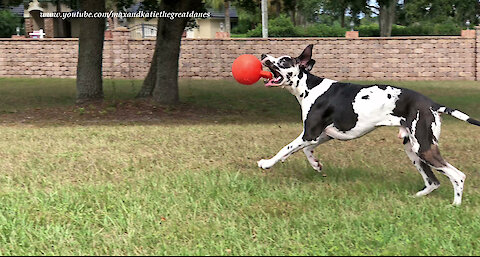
[(431, 181), (425, 132), (433, 158), (316, 164)]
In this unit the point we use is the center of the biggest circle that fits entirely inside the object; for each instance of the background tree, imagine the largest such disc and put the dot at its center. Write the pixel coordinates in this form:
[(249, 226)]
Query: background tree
[(386, 11), (386, 16), (90, 53), (11, 2), (439, 11), (8, 23), (225, 5), (161, 82)]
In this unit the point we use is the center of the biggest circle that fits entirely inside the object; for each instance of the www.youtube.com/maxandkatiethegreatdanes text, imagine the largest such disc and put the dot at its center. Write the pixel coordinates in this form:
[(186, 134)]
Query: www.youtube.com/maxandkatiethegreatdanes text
[(139, 14)]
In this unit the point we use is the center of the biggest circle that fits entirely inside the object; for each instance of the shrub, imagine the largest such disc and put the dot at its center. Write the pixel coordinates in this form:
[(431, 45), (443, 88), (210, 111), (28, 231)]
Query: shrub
[(370, 30), (281, 26), (425, 29), (321, 30), (8, 23)]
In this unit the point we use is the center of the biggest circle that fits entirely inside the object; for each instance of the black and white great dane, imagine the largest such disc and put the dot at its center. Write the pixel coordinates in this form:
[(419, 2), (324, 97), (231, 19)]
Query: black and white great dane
[(344, 111)]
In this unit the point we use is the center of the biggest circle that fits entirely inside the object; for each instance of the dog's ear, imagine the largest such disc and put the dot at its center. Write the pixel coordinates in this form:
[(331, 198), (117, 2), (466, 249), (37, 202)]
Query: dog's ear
[(309, 65), (305, 59)]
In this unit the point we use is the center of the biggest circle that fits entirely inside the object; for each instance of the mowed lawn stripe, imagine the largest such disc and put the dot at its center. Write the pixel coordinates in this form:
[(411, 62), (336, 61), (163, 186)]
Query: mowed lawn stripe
[(194, 188)]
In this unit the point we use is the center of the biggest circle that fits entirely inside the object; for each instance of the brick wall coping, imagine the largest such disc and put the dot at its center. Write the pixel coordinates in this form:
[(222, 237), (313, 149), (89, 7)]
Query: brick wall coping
[(258, 39), (38, 39), (326, 38)]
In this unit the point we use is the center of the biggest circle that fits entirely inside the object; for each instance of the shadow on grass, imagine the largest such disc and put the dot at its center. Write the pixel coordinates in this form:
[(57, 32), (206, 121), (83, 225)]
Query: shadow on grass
[(52, 101), (352, 180)]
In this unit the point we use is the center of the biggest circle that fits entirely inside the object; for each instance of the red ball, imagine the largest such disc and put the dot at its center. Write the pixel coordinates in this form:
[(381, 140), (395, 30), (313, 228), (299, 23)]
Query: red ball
[(247, 69)]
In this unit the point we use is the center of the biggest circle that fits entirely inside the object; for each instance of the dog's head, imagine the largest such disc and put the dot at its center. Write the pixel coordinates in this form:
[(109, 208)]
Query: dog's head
[(285, 68)]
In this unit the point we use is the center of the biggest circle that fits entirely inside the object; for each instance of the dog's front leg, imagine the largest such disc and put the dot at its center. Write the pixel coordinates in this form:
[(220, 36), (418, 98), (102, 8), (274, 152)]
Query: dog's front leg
[(316, 164), (286, 151)]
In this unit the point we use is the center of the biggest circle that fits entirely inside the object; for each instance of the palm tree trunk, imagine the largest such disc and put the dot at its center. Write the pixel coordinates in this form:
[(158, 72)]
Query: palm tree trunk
[(227, 16)]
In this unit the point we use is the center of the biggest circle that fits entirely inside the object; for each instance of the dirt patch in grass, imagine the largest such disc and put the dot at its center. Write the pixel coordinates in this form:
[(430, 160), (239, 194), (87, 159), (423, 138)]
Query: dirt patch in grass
[(143, 111)]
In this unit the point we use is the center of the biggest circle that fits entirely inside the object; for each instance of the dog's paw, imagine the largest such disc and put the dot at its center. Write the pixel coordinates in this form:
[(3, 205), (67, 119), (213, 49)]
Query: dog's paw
[(317, 165), (265, 164)]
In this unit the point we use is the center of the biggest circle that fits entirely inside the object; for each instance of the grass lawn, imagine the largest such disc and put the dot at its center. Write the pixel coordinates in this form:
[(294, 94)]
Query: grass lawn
[(78, 181)]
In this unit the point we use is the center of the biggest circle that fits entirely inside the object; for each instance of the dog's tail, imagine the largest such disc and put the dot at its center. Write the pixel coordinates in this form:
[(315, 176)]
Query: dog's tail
[(458, 114)]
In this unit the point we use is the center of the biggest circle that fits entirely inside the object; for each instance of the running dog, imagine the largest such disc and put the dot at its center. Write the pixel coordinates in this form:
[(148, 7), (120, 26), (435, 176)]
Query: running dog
[(345, 111)]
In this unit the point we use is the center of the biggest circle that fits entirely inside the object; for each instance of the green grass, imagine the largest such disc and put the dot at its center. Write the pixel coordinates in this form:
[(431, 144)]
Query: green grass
[(178, 186)]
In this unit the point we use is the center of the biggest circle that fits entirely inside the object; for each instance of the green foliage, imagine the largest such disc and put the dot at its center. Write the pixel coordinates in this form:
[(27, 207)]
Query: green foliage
[(246, 21), (448, 28), (8, 23), (281, 26), (368, 30), (242, 26), (437, 11), (321, 30)]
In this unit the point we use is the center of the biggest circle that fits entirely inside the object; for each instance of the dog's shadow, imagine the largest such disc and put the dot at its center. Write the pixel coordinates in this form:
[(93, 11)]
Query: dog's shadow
[(352, 178)]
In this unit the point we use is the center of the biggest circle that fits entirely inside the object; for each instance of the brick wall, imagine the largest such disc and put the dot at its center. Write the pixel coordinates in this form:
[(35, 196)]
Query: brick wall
[(396, 58)]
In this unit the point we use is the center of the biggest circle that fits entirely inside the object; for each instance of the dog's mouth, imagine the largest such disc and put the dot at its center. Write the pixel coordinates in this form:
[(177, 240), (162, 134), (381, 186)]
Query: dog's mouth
[(277, 77)]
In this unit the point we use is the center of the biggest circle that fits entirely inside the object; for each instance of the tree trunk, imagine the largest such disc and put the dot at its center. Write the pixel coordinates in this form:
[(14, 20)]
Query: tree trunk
[(59, 30), (90, 50), (277, 7), (150, 79), (227, 16), (166, 82), (294, 15), (386, 17), (163, 73)]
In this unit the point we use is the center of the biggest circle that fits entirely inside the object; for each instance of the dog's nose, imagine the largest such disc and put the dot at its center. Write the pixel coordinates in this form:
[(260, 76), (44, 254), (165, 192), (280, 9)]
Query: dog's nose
[(263, 56)]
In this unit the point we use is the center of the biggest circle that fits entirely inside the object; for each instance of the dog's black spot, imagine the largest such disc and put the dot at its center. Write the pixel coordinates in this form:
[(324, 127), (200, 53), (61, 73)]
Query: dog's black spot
[(458, 194), (306, 93), (409, 105), (268, 63), (335, 106), (313, 81), (382, 87), (429, 181), (414, 162), (431, 178), (290, 83), (301, 95), (389, 96), (300, 75), (289, 75), (406, 140), (365, 97), (298, 82), (285, 62)]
